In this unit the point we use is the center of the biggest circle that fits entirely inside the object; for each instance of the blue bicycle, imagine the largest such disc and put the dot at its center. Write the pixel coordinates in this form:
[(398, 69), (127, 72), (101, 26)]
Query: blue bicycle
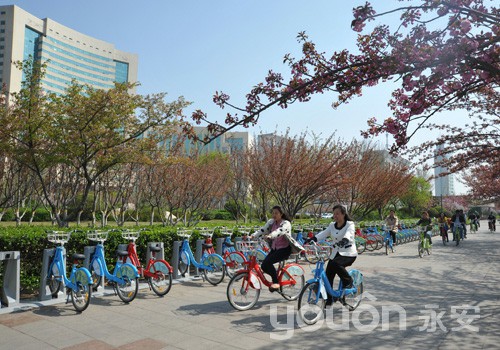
[(312, 298), (125, 277), (388, 242), (79, 283), (212, 265)]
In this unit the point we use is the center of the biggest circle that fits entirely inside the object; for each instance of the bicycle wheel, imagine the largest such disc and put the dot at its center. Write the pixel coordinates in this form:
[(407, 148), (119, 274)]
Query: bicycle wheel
[(352, 301), (127, 290), (161, 282), (386, 248), (420, 250), (311, 304), (361, 247), (311, 254), (371, 244), (96, 275), (291, 291), (54, 283), (215, 271), (183, 263), (234, 262), (240, 293), (80, 298)]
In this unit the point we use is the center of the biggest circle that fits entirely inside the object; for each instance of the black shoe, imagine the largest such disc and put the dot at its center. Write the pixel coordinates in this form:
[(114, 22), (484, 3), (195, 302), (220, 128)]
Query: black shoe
[(330, 301), (348, 285)]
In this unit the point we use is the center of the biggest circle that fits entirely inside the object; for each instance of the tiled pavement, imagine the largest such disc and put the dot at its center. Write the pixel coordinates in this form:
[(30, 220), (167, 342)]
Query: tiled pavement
[(196, 315)]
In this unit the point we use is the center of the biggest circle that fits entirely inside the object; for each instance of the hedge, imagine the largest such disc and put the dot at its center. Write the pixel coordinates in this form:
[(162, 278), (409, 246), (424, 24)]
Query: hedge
[(32, 240)]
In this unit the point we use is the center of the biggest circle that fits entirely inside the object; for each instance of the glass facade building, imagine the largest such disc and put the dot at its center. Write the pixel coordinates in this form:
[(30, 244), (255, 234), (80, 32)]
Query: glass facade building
[(68, 54)]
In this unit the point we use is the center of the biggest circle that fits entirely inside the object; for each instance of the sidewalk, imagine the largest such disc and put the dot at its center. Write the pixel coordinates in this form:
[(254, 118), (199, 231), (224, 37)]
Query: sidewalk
[(197, 315)]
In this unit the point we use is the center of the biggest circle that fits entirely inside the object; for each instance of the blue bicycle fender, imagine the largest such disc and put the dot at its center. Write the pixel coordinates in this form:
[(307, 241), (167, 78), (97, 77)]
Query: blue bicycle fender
[(86, 272), (134, 269)]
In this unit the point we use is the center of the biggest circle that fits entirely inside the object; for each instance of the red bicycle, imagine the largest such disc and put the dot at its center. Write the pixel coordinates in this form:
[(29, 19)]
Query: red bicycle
[(158, 272), (243, 290)]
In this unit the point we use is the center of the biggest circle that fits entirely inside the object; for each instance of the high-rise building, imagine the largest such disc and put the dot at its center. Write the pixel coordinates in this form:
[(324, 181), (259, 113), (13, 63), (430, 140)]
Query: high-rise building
[(69, 54), (228, 142), (443, 185)]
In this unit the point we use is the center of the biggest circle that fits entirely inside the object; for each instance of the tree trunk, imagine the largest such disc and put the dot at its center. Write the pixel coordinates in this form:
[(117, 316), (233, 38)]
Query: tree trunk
[(32, 217), (152, 217), (78, 218)]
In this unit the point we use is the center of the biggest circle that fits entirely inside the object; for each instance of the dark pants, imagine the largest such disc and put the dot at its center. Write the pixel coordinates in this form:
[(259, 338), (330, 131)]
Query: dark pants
[(337, 267), (444, 233), (429, 237), (393, 234), (273, 257)]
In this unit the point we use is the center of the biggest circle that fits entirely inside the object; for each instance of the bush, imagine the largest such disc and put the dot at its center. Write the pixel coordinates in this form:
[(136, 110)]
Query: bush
[(32, 240), (217, 215)]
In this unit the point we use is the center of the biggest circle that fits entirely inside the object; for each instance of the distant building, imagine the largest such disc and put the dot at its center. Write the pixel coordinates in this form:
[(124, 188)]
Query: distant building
[(443, 185), (226, 143), (69, 54), (270, 139), (392, 159)]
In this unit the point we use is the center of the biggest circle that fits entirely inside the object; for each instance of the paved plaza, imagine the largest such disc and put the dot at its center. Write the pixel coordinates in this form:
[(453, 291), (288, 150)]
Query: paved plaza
[(452, 288)]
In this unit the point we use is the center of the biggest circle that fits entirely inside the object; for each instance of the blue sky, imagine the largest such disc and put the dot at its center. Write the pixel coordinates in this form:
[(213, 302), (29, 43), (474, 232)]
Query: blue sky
[(193, 48)]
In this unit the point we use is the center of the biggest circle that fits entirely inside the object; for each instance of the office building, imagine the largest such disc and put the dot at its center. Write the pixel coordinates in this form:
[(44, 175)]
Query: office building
[(443, 185), (69, 54)]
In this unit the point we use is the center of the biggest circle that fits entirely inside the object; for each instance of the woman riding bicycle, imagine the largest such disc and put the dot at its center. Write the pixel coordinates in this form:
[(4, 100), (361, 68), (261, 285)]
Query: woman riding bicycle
[(443, 226), (279, 230), (392, 225), (344, 251), (425, 221)]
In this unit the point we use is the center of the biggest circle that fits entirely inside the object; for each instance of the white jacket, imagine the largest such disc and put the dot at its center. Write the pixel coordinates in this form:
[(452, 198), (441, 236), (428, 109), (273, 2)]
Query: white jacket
[(285, 228), (347, 232)]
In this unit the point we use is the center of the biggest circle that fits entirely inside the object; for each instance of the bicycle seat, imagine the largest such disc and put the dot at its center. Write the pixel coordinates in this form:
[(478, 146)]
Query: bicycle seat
[(122, 253), (207, 246), (229, 244), (78, 257), (154, 249)]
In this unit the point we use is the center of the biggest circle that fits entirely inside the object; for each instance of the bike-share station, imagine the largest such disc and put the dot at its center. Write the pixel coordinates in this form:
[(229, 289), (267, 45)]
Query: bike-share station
[(176, 259), (89, 251), (44, 290), (10, 273)]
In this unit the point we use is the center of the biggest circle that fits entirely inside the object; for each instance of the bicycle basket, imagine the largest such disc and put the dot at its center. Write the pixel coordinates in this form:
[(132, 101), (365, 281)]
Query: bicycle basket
[(58, 237)]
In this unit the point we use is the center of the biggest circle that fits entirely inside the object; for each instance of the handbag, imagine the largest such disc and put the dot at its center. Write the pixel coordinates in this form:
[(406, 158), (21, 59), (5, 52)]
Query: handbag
[(296, 246)]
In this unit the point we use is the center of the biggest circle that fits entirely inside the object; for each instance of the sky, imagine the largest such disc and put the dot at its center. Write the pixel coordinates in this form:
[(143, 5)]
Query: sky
[(194, 48)]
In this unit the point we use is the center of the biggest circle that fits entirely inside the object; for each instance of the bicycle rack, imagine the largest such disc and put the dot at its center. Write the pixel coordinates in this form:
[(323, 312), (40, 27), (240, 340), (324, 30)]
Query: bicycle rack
[(89, 251), (159, 255), (10, 291), (44, 291), (198, 253), (174, 262), (220, 243)]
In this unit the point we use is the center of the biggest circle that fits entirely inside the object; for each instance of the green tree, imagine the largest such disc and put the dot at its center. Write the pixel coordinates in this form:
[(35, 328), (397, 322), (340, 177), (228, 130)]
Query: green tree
[(418, 196), (82, 133)]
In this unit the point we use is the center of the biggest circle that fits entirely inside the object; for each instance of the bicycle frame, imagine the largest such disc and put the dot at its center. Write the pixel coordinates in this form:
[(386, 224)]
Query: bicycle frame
[(388, 239), (325, 287), (191, 259), (424, 241), (59, 263), (256, 275), (133, 258), (100, 259)]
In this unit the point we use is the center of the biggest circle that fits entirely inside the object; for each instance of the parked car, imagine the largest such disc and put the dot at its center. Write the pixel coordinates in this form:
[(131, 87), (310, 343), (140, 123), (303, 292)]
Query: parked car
[(326, 215)]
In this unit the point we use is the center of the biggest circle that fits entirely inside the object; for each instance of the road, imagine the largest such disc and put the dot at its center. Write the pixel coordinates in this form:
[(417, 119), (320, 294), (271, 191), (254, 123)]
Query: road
[(452, 281)]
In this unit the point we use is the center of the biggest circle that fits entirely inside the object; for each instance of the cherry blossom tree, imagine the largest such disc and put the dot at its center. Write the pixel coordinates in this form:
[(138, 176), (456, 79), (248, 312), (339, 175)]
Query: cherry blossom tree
[(295, 170), (444, 55), (484, 183)]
